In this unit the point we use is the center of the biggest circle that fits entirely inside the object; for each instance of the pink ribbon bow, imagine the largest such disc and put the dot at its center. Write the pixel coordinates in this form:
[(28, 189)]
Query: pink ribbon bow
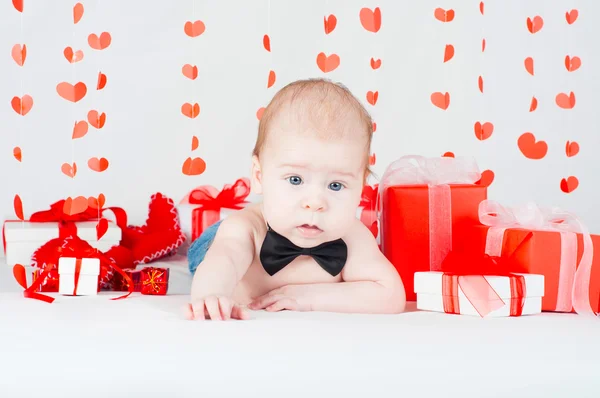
[(574, 281), (437, 173)]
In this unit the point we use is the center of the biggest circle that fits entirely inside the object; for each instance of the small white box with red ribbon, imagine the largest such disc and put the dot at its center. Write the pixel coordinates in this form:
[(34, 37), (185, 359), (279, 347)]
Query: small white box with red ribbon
[(78, 276)]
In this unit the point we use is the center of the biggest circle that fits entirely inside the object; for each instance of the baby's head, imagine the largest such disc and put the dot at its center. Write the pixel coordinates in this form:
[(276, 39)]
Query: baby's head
[(311, 160)]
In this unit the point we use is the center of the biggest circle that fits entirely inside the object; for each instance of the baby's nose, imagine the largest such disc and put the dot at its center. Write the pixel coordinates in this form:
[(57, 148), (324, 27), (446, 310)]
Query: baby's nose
[(314, 203)]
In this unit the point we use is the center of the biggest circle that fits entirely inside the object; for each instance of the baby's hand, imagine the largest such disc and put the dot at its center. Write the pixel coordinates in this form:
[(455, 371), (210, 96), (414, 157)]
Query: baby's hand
[(217, 308)]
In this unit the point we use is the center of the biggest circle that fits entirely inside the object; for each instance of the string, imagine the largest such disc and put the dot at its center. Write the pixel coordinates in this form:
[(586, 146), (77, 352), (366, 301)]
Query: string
[(21, 122)]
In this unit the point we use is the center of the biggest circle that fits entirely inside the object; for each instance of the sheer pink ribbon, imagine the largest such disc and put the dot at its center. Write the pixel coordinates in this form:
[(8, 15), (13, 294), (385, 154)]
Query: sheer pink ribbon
[(437, 174), (574, 281)]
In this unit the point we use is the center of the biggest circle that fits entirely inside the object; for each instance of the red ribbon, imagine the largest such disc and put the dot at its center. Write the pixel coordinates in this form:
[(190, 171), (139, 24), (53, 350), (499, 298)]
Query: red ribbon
[(368, 199), (208, 198), (76, 247), (467, 271), (77, 272)]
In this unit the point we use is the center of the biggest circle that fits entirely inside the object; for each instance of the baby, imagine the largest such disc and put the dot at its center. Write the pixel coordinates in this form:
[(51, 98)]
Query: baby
[(302, 248)]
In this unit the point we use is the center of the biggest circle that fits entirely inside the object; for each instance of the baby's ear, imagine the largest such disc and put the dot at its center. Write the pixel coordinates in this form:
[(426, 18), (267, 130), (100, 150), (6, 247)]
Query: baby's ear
[(256, 176)]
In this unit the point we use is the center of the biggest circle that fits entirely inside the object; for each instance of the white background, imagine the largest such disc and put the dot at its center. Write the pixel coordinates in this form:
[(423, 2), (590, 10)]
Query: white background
[(147, 139)]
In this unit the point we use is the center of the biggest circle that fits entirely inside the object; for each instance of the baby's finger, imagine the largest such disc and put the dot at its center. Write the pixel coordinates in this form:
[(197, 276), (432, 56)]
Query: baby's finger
[(225, 306), (238, 312), (212, 306), (198, 310), (265, 301), (188, 312), (283, 304)]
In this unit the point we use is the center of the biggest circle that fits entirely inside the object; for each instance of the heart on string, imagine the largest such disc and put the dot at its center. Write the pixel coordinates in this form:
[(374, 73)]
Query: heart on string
[(96, 119), (372, 97), (572, 64), (18, 4), (20, 275), (99, 43), (80, 129), (483, 131), (330, 23), (69, 170), (17, 153), (487, 177), (572, 149), (71, 56), (480, 84), (71, 93), (531, 148), (19, 54), (571, 16), (77, 12), (375, 64), (441, 100), (328, 63), (448, 52), (22, 105), (267, 43), (101, 228), (570, 184), (189, 110), (101, 81), (374, 127), (271, 79), (448, 155), (74, 206), (260, 112), (370, 19), (444, 15), (96, 203), (194, 29), (98, 165), (529, 65), (18, 207), (190, 71), (566, 101), (372, 159), (535, 25), (192, 167), (195, 143), (534, 104)]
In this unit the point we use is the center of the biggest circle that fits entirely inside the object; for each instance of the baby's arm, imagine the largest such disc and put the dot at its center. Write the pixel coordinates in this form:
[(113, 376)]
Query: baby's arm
[(224, 264), (370, 284)]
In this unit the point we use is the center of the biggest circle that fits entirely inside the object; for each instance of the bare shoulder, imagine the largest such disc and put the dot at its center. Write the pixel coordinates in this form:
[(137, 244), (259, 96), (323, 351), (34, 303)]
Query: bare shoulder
[(360, 241), (365, 259), (241, 224)]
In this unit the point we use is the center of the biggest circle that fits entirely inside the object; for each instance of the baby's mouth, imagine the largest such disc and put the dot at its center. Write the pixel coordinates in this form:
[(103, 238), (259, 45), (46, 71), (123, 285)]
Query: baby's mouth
[(309, 230)]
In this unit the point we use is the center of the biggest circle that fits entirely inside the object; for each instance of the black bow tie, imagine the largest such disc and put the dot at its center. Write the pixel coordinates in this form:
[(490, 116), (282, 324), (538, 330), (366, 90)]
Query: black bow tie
[(277, 251)]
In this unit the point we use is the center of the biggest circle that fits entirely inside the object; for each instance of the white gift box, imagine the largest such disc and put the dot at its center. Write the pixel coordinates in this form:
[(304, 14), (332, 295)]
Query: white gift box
[(78, 283), (429, 291), (23, 238)]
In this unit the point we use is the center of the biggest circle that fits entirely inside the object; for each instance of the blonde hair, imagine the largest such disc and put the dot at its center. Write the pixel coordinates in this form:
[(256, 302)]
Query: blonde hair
[(327, 93)]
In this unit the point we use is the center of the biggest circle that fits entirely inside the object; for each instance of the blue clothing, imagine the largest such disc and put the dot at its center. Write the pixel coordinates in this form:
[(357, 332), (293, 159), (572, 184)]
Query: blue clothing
[(200, 246)]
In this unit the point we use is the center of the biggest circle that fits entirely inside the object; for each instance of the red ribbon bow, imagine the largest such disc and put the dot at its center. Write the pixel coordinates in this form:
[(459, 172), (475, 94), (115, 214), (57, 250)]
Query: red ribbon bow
[(467, 271), (232, 196), (71, 246), (368, 198)]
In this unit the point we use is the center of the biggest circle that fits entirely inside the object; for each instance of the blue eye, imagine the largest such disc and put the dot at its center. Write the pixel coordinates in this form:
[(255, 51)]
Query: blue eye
[(295, 180), (336, 186)]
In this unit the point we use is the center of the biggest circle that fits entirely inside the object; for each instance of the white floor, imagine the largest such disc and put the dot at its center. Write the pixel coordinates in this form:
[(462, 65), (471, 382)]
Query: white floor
[(142, 347)]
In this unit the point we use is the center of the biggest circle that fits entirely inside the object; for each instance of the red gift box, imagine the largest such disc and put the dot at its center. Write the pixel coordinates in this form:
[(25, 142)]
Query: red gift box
[(148, 280), (552, 243), (208, 205), (425, 204), (367, 210)]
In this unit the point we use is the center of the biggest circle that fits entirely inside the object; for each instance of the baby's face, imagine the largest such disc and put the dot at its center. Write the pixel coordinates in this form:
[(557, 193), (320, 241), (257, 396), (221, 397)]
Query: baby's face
[(311, 187)]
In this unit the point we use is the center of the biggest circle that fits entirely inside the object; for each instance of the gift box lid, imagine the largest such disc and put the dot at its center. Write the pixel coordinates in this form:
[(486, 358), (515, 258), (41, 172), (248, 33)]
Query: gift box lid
[(89, 266), (25, 231), (431, 283)]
